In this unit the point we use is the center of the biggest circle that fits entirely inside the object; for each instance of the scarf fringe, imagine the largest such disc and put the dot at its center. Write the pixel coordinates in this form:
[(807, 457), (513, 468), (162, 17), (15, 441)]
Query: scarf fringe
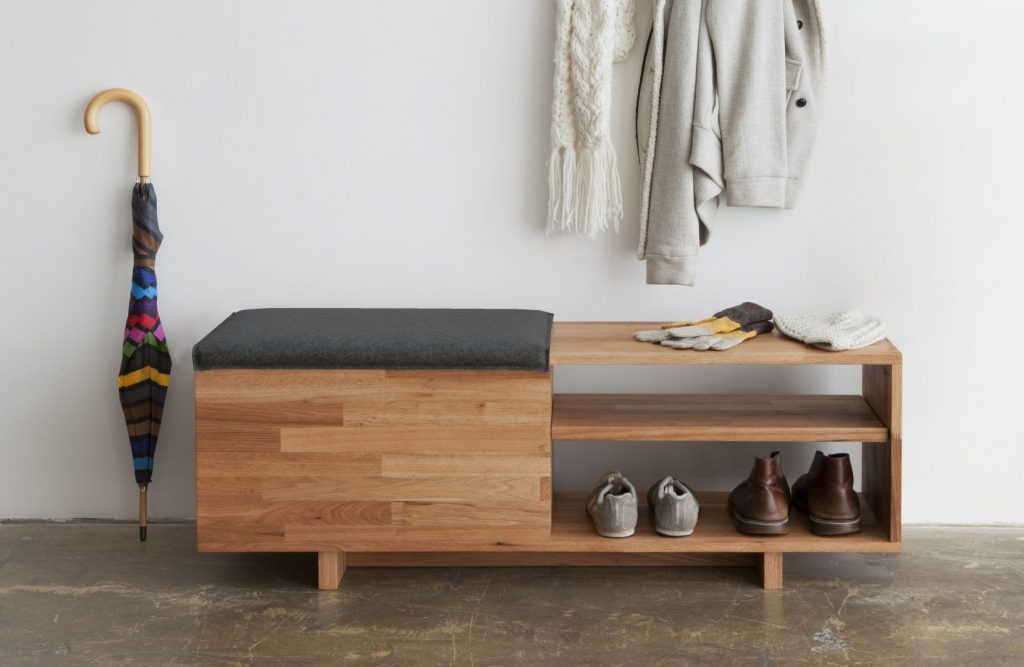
[(585, 193)]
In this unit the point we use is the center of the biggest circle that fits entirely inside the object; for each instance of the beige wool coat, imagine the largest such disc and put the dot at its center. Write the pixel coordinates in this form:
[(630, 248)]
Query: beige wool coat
[(728, 103)]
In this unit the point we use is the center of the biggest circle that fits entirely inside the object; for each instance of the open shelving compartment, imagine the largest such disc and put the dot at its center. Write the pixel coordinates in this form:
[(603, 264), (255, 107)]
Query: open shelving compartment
[(872, 418)]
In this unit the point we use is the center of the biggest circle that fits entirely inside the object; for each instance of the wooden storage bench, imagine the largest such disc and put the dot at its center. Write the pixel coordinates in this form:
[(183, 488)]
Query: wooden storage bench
[(341, 431), (450, 462)]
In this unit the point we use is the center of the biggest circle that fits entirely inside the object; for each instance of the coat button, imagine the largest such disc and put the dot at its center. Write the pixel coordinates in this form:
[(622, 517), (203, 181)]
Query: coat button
[(802, 102), (799, 25)]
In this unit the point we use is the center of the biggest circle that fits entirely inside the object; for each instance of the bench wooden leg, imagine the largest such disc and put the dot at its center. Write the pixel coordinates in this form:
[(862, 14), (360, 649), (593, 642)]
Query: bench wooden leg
[(771, 571), (331, 568)]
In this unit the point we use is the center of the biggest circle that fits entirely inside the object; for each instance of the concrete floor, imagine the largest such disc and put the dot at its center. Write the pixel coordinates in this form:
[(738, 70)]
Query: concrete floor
[(91, 594)]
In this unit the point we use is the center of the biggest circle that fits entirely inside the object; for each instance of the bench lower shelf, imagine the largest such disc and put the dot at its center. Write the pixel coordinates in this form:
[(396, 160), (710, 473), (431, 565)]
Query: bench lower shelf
[(714, 542), (572, 530)]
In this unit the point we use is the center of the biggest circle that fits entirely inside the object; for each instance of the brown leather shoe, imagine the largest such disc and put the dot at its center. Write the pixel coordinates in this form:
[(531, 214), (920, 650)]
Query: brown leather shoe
[(760, 505), (826, 494)]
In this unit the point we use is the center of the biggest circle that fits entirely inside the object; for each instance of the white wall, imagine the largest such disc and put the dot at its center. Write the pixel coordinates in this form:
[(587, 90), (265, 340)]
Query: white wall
[(393, 154)]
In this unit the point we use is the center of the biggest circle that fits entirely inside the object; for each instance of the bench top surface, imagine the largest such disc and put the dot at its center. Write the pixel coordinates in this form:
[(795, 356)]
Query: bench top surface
[(416, 338), (475, 338), (603, 343)]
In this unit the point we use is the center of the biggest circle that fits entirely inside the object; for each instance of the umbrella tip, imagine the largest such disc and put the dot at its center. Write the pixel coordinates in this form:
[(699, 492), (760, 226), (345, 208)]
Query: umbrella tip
[(142, 533)]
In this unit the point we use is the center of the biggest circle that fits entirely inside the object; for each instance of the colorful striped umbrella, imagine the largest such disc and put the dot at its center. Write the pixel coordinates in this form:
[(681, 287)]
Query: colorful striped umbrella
[(146, 363)]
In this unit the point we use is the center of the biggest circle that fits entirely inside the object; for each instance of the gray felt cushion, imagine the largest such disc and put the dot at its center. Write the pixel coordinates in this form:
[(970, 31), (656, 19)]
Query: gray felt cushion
[(378, 338)]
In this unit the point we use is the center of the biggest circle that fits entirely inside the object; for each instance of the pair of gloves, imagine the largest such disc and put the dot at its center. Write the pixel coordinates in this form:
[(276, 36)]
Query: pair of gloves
[(723, 330)]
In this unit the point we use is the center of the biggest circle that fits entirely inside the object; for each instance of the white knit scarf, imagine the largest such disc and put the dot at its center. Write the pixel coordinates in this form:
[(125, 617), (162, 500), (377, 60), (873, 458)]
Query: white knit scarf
[(585, 195)]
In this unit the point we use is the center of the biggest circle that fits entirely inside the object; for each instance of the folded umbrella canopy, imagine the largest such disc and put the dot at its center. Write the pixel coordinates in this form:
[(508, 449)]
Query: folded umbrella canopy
[(145, 361)]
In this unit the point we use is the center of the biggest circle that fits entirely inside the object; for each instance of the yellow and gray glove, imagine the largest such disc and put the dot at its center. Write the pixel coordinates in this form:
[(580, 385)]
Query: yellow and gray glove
[(719, 341), (723, 321), (725, 329)]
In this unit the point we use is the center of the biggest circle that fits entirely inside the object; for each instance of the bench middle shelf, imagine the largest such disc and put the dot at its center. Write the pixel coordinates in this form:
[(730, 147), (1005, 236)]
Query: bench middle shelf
[(715, 417)]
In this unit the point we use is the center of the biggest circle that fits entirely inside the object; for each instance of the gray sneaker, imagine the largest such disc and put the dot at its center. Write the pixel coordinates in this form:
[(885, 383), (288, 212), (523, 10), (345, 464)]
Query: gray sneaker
[(674, 506), (613, 506)]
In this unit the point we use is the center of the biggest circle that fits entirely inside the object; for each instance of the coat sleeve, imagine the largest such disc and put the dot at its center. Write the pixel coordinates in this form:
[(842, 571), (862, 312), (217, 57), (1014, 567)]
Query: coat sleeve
[(673, 227), (750, 66)]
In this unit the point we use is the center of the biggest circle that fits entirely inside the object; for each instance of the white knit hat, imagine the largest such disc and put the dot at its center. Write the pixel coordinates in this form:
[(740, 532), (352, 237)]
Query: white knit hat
[(833, 331)]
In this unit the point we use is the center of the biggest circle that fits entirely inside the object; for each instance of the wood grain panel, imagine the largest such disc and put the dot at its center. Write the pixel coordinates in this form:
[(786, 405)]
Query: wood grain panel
[(288, 464), (301, 512), (528, 440), (612, 343), (237, 437), (422, 513), (335, 461), (271, 385), (431, 489), (455, 412), (475, 465), (412, 539), (238, 536), (233, 385), (312, 412), (216, 491)]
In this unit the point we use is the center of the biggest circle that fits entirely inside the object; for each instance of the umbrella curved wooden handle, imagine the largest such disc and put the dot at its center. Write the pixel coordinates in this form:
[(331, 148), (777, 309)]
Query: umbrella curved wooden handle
[(132, 99)]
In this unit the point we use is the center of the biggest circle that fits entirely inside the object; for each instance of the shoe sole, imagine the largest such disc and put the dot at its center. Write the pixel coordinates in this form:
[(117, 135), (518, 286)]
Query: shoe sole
[(673, 533), (833, 527), (830, 527), (618, 534), (749, 526)]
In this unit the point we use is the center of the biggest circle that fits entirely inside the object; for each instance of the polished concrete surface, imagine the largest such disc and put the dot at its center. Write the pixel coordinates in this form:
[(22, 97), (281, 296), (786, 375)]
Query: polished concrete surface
[(91, 594)]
